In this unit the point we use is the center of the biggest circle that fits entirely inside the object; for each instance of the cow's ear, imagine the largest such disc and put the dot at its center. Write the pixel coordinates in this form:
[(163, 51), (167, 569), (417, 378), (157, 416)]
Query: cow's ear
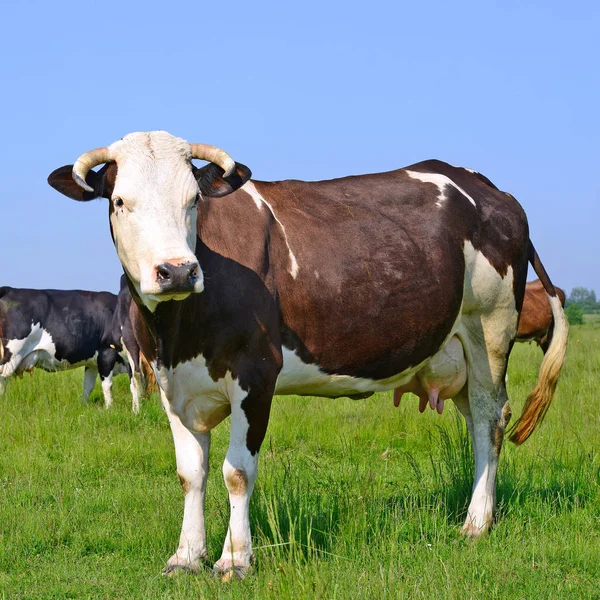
[(212, 183), (62, 181)]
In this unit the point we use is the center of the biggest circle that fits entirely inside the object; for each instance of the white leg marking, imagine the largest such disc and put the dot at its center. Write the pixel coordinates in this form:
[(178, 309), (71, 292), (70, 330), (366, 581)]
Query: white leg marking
[(191, 452), (441, 181), (239, 470), (250, 188), (107, 390), (89, 381)]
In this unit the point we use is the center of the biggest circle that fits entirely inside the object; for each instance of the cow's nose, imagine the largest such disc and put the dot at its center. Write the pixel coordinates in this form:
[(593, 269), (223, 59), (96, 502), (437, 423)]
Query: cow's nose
[(176, 278)]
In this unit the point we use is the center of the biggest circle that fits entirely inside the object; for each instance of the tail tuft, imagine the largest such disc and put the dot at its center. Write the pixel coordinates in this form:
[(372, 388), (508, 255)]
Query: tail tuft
[(539, 400)]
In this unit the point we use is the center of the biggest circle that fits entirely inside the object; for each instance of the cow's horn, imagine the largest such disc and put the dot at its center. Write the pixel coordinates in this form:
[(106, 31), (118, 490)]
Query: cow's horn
[(214, 155), (88, 161)]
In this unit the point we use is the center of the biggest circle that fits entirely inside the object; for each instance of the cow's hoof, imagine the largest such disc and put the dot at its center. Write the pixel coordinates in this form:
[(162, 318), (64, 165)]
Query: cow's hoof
[(175, 569), (472, 532), (229, 573), (176, 565)]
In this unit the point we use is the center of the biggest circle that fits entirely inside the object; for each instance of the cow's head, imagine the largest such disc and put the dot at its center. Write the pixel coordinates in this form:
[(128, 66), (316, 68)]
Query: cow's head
[(154, 192)]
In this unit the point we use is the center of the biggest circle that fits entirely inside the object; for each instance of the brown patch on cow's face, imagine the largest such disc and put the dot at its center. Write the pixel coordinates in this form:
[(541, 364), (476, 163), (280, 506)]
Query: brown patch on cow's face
[(237, 482)]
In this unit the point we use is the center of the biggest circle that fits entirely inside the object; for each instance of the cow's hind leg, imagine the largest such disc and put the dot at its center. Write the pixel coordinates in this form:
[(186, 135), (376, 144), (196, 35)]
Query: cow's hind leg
[(89, 381), (249, 419), (2, 384), (487, 341)]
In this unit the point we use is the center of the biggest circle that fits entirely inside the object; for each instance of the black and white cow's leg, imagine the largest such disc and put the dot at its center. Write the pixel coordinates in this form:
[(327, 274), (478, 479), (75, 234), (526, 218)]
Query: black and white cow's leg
[(107, 359), (2, 384), (191, 452), (89, 381), (249, 419)]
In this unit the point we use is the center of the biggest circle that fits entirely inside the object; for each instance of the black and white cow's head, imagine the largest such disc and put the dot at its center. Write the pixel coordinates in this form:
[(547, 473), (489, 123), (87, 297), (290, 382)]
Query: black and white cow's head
[(154, 191)]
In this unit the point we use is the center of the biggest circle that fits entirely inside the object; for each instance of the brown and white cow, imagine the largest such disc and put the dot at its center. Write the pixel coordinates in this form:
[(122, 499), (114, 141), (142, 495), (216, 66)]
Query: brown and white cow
[(332, 288), (536, 322)]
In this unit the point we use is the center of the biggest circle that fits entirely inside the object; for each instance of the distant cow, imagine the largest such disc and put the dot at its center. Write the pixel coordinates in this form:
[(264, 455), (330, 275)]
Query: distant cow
[(56, 330), (410, 279), (536, 322)]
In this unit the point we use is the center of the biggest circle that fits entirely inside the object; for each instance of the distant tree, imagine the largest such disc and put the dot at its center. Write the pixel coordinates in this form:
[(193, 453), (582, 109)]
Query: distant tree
[(583, 298), (574, 314)]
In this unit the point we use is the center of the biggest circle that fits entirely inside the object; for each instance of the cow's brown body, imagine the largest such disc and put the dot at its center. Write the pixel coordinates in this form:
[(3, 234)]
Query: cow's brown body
[(536, 322), (330, 288)]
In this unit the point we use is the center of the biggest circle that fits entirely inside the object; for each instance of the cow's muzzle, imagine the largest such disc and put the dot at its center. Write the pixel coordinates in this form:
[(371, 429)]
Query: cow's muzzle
[(178, 278)]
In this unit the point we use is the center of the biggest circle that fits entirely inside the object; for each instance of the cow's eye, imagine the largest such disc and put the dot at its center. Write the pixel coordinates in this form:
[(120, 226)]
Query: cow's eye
[(118, 202)]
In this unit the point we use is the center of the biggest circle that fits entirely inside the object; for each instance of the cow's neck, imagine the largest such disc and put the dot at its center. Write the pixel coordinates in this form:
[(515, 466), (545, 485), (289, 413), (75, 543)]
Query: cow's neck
[(201, 324)]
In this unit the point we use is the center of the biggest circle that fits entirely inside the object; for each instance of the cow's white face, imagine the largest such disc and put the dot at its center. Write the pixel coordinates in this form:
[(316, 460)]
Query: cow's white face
[(154, 191), (153, 216)]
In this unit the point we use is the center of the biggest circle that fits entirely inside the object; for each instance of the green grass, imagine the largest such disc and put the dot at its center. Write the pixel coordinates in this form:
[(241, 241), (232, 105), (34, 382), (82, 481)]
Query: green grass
[(355, 499)]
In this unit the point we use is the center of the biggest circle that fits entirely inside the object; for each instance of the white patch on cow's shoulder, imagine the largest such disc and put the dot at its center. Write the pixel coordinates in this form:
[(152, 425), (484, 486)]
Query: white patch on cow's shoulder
[(250, 189), (441, 181)]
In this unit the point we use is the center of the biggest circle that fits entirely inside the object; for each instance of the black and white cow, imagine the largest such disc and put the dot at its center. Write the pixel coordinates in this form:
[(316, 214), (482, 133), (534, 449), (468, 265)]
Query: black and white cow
[(408, 279), (56, 330)]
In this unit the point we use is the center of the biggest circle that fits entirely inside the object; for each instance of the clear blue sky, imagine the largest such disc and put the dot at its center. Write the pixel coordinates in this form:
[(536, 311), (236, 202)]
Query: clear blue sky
[(308, 90)]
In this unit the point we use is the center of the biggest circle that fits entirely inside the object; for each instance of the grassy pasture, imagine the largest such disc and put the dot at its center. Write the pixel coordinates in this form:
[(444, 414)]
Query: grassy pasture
[(355, 499)]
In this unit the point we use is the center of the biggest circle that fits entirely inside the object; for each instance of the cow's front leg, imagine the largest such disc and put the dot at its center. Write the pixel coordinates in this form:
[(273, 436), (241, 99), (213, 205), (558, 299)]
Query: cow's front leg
[(191, 453), (249, 419)]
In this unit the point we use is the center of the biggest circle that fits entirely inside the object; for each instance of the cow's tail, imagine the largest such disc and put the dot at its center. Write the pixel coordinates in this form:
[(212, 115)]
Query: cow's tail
[(545, 342), (540, 399)]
